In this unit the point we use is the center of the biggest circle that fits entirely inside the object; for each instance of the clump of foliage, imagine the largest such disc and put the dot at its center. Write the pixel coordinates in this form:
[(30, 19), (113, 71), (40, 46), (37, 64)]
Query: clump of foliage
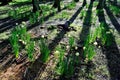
[(14, 42), (88, 48), (20, 12), (82, 14), (34, 18), (30, 50), (19, 37), (106, 35), (63, 15), (71, 5), (68, 66), (59, 53), (100, 37), (45, 52), (115, 10), (71, 42), (65, 66), (95, 4), (103, 34)]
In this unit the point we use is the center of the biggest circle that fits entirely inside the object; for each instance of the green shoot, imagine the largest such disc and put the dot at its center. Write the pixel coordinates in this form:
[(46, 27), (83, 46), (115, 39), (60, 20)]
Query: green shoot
[(14, 43), (45, 52), (65, 66), (71, 41), (71, 5), (89, 52), (68, 66), (60, 53), (30, 50)]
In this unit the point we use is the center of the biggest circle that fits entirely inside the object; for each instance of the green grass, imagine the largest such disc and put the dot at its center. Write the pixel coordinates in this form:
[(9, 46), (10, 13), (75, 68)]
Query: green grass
[(95, 4), (45, 52), (20, 12), (30, 50), (71, 42), (82, 14), (115, 10), (71, 5), (59, 53), (89, 48), (14, 42), (19, 38), (63, 15)]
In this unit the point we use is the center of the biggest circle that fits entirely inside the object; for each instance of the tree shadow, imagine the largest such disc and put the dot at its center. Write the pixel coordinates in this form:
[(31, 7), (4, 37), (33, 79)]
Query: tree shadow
[(112, 18), (87, 23), (111, 52), (36, 67)]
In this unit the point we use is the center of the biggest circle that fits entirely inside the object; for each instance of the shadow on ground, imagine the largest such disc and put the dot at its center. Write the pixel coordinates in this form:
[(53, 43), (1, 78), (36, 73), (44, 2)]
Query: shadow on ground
[(111, 52)]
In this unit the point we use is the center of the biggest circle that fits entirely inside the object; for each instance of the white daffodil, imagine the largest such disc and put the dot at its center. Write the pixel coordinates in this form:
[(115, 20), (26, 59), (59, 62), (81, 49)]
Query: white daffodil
[(22, 26), (77, 54), (16, 23), (95, 43), (23, 22), (42, 36), (76, 47), (99, 46), (67, 47), (56, 54), (69, 35), (84, 48)]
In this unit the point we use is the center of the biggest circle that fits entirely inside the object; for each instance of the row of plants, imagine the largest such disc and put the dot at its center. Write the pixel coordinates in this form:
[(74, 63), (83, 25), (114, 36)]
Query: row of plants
[(20, 39), (20, 12), (97, 39), (66, 61), (115, 10)]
